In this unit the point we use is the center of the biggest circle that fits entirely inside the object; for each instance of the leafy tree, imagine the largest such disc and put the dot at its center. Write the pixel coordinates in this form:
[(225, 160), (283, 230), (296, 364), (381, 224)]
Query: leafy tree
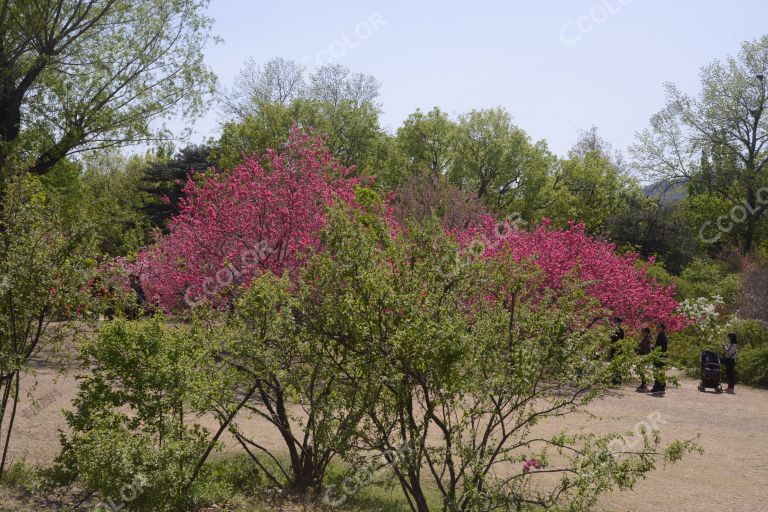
[(233, 226), (113, 200), (299, 394), (428, 142), (353, 134), (589, 187), (496, 161), (42, 268), (702, 278), (80, 75), (460, 361), (63, 185), (164, 179), (654, 230), (717, 140)]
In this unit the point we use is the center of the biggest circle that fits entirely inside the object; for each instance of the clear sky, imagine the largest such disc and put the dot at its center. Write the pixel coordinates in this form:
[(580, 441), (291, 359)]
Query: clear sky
[(556, 66)]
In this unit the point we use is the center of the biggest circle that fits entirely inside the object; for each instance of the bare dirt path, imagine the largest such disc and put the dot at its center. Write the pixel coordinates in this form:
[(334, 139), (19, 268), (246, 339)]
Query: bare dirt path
[(731, 475)]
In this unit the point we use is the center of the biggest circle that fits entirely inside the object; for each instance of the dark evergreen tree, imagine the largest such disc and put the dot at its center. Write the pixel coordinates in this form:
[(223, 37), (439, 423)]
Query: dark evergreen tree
[(165, 179)]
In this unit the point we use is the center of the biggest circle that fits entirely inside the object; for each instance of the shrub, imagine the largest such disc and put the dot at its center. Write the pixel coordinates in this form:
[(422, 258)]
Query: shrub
[(752, 366), (42, 262), (128, 440), (750, 332), (458, 361), (702, 278), (300, 394)]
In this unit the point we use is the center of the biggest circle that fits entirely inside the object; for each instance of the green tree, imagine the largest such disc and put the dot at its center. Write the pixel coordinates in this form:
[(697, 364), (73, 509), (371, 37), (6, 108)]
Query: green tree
[(283, 361), (428, 142), (651, 229), (728, 122), (588, 187), (80, 75), (456, 383), (42, 268), (114, 200), (351, 132), (161, 375), (496, 160)]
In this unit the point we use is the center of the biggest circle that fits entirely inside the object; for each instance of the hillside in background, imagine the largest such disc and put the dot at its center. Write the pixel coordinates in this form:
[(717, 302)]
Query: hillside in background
[(667, 192)]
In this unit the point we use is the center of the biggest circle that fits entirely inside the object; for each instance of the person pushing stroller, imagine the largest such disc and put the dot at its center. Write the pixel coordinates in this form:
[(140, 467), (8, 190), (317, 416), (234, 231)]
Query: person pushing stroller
[(729, 361)]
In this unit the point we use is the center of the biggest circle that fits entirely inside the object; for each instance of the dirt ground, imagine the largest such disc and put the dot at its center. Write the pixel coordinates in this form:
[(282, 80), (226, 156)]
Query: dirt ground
[(732, 474)]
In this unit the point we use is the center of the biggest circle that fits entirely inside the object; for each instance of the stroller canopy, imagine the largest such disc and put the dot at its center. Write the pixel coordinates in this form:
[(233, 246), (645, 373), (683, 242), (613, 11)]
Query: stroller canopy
[(709, 357)]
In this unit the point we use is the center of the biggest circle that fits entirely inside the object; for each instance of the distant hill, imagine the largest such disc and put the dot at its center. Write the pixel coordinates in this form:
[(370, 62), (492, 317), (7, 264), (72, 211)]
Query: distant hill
[(667, 192)]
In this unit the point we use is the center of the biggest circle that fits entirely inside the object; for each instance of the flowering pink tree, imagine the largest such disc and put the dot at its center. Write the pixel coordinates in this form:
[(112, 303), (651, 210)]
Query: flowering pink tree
[(264, 214), (268, 214), (620, 282)]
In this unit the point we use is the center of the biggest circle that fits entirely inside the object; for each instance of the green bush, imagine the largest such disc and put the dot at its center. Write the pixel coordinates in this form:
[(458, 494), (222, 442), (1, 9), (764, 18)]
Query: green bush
[(703, 278), (752, 366), (750, 333), (684, 350), (752, 363), (128, 440)]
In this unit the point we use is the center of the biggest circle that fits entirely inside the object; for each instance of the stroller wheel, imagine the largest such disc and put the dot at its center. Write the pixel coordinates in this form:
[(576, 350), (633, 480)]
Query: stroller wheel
[(719, 389), (701, 388)]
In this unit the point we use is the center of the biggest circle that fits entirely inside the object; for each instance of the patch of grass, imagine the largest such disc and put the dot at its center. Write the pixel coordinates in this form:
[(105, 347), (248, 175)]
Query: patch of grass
[(236, 484), (20, 475), (228, 481)]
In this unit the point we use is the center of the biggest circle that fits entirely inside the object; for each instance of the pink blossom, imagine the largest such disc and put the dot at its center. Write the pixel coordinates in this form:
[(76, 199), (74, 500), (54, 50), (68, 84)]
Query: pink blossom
[(252, 218), (531, 464), (619, 282)]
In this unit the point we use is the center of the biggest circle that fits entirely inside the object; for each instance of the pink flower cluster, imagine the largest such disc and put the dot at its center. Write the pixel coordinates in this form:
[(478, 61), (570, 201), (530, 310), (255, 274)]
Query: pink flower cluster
[(531, 464), (619, 282), (261, 215), (267, 214)]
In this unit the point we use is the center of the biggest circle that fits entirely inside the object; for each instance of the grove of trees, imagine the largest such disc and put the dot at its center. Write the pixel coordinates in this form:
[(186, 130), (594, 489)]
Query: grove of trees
[(397, 308)]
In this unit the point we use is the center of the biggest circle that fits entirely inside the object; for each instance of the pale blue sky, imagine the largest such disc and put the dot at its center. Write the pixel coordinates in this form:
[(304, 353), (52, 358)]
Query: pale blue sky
[(529, 57)]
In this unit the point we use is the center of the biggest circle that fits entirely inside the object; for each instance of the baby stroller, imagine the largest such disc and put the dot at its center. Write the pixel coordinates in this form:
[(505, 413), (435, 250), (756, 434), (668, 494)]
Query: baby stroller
[(710, 371)]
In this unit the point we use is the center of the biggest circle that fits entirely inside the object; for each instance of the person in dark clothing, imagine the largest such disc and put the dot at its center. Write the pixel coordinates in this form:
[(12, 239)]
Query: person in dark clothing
[(141, 297), (618, 334), (643, 349), (660, 381), (729, 360)]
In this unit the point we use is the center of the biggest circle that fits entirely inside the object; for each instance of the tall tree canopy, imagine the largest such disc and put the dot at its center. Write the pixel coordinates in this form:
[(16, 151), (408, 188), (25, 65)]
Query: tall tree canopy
[(717, 141), (496, 160), (282, 81), (590, 185), (428, 142), (86, 74)]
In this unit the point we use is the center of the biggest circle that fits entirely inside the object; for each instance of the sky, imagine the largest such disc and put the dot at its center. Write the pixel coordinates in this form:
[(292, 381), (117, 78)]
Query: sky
[(557, 66)]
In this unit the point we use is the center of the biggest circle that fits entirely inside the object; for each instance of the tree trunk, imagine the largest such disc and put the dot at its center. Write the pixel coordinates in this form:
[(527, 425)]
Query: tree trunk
[(15, 383), (749, 235)]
